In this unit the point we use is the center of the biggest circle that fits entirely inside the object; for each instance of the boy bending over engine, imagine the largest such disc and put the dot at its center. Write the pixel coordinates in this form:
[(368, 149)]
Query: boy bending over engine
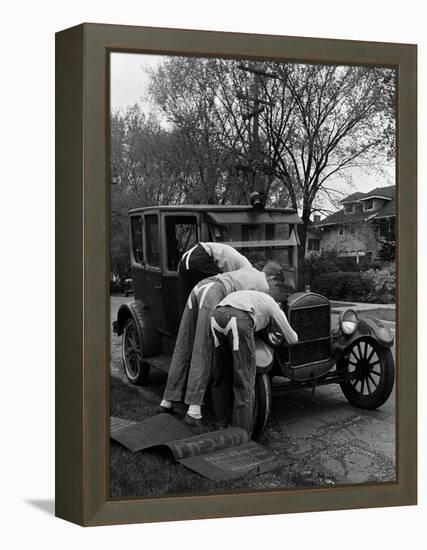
[(191, 367), (206, 260), (233, 323)]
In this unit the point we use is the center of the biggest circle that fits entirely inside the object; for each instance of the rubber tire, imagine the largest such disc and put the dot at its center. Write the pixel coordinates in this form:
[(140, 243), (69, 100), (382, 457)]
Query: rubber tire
[(262, 406), (385, 385), (141, 377)]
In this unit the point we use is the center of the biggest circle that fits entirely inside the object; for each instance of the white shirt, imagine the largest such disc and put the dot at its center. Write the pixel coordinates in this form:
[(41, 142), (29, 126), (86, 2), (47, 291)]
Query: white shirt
[(262, 308), (246, 278), (225, 257)]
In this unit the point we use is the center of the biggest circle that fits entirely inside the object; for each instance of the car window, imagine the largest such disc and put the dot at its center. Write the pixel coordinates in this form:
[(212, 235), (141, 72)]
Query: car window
[(181, 235), (249, 233), (152, 236), (137, 246)]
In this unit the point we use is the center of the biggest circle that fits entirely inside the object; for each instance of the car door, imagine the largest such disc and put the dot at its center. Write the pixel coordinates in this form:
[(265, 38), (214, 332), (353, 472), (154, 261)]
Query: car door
[(153, 270), (137, 257), (181, 230)]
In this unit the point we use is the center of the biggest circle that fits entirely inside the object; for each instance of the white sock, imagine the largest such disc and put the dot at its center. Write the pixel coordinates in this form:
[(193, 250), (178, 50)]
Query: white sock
[(166, 404), (195, 411)]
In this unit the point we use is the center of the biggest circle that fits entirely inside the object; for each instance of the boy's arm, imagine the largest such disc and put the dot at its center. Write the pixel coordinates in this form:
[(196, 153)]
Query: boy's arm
[(279, 316)]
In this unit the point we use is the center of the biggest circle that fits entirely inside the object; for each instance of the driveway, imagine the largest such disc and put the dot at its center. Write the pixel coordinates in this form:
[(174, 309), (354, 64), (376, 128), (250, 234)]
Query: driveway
[(324, 435)]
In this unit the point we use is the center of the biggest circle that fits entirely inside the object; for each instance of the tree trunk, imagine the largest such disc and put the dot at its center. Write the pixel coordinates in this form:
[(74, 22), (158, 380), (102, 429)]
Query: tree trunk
[(302, 233)]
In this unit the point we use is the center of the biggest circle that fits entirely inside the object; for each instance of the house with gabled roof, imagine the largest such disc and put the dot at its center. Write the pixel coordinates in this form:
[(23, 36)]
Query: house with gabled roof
[(362, 228)]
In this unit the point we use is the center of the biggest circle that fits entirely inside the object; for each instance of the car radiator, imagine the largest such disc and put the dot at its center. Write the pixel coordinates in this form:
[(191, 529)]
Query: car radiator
[(312, 324)]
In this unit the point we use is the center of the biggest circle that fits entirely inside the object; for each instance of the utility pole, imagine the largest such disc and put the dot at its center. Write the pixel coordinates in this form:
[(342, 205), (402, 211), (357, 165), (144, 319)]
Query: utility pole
[(258, 184)]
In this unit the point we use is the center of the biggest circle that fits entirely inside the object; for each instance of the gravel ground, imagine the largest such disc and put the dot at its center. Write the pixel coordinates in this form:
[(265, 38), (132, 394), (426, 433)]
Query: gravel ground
[(322, 442)]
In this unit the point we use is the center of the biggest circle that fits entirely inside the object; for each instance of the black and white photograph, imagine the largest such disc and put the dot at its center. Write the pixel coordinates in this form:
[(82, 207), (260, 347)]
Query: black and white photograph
[(252, 275)]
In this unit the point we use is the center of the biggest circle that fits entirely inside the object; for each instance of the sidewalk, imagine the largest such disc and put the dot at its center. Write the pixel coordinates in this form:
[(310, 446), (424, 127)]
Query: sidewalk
[(359, 306)]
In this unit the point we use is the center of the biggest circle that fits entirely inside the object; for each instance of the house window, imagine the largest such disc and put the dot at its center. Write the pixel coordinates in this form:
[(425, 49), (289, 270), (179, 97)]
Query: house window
[(340, 230), (349, 208), (384, 228), (369, 204), (314, 245)]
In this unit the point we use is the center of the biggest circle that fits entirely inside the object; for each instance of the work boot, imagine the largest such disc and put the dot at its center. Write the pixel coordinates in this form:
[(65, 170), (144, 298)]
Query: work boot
[(165, 407), (168, 410), (221, 424), (194, 422)]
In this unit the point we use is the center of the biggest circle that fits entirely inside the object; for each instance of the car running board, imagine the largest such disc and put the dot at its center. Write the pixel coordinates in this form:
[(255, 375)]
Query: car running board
[(161, 362)]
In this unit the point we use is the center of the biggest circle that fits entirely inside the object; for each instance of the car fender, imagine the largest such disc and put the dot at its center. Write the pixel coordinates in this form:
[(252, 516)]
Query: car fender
[(150, 337), (264, 356), (367, 327)]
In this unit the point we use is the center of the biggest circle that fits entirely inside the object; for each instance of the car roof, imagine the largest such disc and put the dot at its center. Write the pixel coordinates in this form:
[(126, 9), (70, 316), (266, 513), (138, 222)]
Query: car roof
[(209, 208)]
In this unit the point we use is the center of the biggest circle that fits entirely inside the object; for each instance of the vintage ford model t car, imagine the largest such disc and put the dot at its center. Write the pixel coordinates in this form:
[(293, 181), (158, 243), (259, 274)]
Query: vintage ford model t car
[(355, 354)]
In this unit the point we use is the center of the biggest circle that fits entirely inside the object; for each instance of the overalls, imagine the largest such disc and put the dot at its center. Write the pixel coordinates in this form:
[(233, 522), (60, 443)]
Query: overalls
[(234, 367), (195, 265), (192, 359)]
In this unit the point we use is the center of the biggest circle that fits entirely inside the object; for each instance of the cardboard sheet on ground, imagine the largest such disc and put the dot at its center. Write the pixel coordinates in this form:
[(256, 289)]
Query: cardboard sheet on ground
[(220, 455)]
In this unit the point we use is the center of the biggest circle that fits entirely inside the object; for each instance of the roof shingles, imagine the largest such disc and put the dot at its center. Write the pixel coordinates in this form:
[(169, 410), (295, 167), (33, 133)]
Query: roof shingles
[(388, 209)]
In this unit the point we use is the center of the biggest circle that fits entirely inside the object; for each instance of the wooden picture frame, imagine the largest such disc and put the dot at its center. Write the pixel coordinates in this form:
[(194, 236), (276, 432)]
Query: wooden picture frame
[(82, 259)]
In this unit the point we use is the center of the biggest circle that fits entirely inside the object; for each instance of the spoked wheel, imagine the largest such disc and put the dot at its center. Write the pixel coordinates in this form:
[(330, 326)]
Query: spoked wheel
[(262, 404), (371, 370), (136, 369)]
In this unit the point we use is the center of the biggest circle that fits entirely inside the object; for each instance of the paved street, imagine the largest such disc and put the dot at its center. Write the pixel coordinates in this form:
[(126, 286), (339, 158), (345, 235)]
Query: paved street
[(340, 443)]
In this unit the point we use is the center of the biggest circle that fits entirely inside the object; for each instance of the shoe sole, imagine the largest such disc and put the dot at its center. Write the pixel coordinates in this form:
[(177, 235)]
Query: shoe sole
[(166, 410)]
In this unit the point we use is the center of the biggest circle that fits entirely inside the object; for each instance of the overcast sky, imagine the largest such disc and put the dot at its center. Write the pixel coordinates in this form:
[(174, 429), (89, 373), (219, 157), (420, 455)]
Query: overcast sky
[(128, 77), (129, 85)]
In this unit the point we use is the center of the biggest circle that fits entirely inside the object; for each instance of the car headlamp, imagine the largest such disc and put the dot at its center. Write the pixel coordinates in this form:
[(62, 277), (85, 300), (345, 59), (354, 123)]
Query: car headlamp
[(348, 321)]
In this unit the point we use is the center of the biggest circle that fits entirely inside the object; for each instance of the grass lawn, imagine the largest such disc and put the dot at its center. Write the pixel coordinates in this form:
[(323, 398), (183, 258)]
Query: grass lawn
[(155, 473)]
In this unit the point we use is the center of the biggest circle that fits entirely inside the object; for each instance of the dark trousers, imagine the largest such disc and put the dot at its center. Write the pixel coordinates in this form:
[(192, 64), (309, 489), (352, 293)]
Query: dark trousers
[(191, 366), (195, 265), (234, 367)]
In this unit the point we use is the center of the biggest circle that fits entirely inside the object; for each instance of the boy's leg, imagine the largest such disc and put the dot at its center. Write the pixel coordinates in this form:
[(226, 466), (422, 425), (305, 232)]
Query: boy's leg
[(222, 381), (244, 371), (222, 376), (209, 294), (185, 285), (181, 358)]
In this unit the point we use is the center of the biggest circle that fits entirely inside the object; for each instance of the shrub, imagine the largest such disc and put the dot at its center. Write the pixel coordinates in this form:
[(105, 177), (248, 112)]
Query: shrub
[(384, 284), (327, 262), (374, 285), (341, 285)]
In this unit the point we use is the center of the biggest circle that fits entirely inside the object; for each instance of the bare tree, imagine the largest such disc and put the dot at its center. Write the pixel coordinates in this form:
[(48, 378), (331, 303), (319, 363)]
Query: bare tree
[(322, 121), (201, 144), (187, 96)]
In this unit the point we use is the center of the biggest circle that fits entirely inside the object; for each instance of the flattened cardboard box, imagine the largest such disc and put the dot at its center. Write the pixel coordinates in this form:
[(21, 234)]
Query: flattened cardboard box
[(220, 455)]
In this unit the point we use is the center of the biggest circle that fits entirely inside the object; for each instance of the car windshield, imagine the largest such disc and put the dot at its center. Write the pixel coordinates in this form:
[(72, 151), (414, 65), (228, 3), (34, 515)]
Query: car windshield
[(254, 234), (258, 242)]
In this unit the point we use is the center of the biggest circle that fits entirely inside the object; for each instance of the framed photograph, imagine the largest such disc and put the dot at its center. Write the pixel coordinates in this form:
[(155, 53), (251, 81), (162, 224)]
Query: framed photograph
[(236, 274)]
